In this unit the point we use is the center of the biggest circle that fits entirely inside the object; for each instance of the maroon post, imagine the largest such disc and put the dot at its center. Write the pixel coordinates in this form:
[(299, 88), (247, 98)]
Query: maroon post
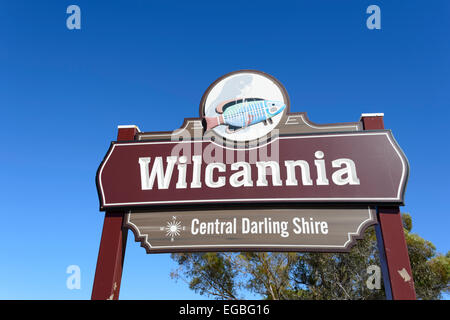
[(111, 254), (395, 264)]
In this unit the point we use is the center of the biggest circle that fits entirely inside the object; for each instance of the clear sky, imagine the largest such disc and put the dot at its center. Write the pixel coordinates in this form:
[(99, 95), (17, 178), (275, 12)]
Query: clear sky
[(63, 93)]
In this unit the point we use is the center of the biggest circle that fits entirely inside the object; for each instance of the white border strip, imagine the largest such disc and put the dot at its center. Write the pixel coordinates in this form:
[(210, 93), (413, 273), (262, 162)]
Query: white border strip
[(197, 124), (372, 115), (131, 126), (328, 127)]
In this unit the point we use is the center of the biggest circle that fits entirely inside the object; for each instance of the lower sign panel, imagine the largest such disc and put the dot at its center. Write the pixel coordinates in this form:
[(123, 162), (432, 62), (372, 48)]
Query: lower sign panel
[(255, 229)]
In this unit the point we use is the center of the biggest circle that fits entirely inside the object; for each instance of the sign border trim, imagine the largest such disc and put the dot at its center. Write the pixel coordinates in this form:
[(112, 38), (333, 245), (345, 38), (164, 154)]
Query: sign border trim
[(351, 240), (400, 192)]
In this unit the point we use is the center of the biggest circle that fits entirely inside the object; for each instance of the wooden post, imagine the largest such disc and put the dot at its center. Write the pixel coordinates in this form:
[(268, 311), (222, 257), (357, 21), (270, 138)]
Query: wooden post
[(108, 273), (395, 264)]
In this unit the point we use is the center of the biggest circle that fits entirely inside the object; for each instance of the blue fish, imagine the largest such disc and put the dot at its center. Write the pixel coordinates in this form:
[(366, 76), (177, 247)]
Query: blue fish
[(239, 114)]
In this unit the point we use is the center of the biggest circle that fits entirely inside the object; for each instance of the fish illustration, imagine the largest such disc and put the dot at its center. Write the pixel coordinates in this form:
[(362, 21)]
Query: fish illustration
[(242, 113)]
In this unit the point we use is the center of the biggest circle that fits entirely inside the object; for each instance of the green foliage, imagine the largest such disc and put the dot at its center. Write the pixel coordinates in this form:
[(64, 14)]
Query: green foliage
[(209, 273), (333, 276), (407, 221), (431, 271), (310, 275)]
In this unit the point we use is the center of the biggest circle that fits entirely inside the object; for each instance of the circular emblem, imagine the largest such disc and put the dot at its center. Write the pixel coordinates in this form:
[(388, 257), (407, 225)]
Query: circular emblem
[(244, 105)]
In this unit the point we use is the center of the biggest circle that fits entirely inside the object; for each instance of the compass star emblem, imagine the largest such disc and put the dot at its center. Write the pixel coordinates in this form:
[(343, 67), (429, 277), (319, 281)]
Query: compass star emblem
[(173, 228)]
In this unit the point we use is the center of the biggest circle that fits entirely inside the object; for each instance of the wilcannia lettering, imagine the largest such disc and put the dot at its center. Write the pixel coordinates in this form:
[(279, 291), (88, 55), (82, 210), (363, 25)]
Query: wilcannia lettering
[(239, 174)]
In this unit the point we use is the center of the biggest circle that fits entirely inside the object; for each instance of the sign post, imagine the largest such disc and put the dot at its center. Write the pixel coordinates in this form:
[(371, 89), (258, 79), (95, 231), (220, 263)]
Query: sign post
[(108, 273), (396, 268)]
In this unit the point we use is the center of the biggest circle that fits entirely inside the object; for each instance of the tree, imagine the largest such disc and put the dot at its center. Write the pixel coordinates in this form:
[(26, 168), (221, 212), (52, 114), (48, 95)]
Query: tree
[(310, 275), (431, 271)]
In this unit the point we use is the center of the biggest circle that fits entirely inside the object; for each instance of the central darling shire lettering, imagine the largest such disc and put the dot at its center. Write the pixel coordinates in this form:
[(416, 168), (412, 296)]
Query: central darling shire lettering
[(241, 177), (263, 226)]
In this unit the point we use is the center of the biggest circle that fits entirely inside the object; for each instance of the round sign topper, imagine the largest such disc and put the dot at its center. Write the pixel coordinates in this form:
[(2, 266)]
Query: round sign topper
[(244, 105)]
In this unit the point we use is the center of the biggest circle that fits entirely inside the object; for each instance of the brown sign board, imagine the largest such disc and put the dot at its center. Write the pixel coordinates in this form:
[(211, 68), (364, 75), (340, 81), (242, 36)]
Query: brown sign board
[(252, 229), (347, 167), (249, 175)]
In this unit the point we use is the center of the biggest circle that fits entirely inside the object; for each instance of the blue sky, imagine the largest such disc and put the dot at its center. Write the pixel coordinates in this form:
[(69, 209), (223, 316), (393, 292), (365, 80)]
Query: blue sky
[(63, 93)]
